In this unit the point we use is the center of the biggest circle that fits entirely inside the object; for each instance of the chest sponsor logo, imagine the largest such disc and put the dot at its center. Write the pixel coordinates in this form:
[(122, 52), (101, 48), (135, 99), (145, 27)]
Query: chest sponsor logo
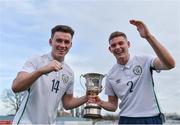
[(118, 81), (137, 70)]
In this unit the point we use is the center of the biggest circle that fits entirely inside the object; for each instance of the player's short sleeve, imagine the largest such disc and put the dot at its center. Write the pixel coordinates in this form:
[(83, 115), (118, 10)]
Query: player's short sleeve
[(151, 61), (148, 59), (108, 87), (30, 65), (70, 86)]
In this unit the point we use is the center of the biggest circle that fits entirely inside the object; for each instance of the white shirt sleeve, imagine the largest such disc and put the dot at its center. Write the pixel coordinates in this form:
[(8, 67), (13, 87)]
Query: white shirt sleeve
[(30, 65), (151, 60), (108, 88), (70, 86)]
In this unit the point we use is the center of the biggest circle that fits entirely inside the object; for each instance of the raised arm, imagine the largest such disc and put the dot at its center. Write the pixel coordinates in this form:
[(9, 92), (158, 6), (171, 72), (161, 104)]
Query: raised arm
[(164, 59)]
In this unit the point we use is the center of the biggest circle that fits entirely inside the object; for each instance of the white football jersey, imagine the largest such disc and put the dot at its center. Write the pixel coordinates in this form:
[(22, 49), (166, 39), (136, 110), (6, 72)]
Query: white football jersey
[(133, 85), (41, 100)]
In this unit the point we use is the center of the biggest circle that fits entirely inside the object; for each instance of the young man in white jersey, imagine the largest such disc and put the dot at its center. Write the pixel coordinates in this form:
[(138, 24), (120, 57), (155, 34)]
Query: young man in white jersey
[(47, 80), (130, 79)]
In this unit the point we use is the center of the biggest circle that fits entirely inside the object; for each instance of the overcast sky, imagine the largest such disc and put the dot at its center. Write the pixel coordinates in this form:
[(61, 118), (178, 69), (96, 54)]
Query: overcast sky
[(25, 30)]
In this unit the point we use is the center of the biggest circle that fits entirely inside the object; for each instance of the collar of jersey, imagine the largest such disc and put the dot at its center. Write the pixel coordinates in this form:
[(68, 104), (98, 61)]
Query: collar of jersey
[(128, 64), (51, 58)]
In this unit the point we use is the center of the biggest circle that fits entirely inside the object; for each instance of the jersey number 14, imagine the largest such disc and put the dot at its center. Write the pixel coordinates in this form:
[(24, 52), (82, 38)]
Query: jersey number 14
[(55, 85)]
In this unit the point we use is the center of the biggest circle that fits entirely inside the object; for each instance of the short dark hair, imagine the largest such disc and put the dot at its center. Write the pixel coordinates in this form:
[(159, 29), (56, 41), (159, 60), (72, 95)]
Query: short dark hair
[(62, 28), (116, 34)]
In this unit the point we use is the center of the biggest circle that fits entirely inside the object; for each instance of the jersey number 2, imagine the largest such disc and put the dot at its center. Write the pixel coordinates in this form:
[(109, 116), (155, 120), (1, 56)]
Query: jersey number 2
[(130, 83)]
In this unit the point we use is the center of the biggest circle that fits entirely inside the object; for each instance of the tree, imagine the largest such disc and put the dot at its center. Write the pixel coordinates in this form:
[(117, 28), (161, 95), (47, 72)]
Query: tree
[(11, 100)]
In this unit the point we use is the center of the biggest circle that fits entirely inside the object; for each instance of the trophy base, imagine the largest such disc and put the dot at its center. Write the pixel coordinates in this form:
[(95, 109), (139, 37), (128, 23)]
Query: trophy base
[(92, 116), (93, 112)]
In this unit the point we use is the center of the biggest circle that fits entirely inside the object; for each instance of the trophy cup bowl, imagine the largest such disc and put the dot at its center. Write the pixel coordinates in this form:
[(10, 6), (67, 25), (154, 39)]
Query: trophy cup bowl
[(93, 86)]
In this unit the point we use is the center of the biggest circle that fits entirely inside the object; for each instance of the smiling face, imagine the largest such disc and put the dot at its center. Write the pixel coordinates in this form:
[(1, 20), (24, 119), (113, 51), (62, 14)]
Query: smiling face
[(61, 43), (119, 47)]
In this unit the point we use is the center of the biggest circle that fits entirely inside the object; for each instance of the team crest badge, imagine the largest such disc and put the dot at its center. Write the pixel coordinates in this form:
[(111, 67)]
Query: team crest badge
[(65, 78), (137, 70)]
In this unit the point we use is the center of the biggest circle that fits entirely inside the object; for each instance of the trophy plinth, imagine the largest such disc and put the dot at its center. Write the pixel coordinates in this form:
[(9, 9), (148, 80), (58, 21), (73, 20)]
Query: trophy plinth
[(94, 87)]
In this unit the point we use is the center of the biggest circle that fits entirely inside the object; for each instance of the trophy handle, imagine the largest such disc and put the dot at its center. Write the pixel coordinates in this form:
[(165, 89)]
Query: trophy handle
[(81, 82)]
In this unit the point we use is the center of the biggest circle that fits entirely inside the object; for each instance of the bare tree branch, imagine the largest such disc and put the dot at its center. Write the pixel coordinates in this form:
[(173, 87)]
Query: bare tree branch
[(12, 101)]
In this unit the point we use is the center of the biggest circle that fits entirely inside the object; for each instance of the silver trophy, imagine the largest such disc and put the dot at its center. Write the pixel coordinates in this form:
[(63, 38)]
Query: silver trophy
[(93, 85)]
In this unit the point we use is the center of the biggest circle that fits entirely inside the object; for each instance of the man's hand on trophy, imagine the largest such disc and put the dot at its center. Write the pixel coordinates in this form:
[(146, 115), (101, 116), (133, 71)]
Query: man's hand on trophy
[(91, 96), (91, 99), (98, 100), (94, 98)]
